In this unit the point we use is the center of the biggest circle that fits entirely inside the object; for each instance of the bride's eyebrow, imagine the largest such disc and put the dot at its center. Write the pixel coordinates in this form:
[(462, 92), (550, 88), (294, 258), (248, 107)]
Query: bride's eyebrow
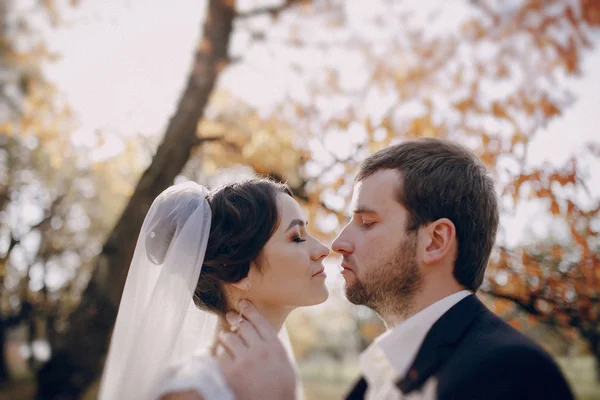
[(296, 222), (363, 210)]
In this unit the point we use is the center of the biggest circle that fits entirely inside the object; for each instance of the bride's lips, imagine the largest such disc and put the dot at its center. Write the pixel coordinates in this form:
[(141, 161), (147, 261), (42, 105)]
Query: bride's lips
[(320, 272)]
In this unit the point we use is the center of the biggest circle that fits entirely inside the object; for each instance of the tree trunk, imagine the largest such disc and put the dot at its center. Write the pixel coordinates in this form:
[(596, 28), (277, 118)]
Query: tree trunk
[(79, 357)]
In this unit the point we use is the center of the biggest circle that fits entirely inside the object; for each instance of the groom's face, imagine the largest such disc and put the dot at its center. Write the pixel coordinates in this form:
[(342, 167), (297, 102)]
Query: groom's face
[(379, 256)]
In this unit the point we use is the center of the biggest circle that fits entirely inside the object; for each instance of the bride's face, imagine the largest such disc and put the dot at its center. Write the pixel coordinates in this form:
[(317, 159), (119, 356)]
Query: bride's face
[(291, 263)]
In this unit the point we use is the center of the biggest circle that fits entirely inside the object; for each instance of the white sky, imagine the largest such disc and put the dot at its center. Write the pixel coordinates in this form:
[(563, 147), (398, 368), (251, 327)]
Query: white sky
[(125, 63)]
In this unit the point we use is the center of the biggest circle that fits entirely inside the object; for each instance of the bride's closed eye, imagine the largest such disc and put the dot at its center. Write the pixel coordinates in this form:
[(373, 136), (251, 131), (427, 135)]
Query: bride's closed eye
[(298, 239)]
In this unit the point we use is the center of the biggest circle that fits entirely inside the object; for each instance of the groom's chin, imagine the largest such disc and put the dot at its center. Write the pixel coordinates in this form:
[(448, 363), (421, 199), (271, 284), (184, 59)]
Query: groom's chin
[(356, 294)]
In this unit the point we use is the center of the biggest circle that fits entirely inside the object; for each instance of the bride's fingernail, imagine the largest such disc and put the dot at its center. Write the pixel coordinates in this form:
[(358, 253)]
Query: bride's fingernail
[(231, 318)]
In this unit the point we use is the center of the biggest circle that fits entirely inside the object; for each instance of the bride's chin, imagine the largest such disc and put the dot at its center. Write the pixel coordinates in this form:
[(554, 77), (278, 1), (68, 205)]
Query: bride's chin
[(313, 299), (321, 298)]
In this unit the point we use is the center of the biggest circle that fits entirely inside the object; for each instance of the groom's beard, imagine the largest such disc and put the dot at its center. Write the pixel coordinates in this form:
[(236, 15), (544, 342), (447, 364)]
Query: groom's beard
[(390, 288)]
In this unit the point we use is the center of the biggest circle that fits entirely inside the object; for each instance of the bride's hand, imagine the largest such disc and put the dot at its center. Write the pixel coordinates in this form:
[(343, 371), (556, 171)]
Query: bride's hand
[(255, 363)]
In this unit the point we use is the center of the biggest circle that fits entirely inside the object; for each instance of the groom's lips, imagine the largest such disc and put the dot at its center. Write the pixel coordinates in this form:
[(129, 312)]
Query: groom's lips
[(346, 267)]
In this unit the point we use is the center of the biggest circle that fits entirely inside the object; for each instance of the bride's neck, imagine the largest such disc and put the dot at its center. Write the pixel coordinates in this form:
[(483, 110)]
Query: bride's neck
[(275, 316)]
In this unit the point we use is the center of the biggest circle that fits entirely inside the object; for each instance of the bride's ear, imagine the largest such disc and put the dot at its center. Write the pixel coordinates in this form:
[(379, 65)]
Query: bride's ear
[(243, 285)]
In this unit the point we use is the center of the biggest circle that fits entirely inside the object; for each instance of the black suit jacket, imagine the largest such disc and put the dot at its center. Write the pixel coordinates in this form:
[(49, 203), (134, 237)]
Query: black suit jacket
[(475, 355)]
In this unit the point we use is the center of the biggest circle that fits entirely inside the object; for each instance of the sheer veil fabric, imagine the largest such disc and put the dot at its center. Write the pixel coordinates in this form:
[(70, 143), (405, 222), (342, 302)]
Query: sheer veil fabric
[(158, 326)]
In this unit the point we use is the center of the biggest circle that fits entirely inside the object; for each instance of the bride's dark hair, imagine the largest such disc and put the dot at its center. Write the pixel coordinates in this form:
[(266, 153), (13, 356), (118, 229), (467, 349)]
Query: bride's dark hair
[(244, 217)]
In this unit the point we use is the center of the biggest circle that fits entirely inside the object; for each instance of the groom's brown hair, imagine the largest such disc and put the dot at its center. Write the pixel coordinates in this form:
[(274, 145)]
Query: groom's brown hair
[(442, 179)]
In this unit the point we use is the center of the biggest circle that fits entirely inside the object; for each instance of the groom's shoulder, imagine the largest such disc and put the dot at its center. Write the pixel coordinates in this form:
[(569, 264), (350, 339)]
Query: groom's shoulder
[(490, 334), (493, 344), (493, 353)]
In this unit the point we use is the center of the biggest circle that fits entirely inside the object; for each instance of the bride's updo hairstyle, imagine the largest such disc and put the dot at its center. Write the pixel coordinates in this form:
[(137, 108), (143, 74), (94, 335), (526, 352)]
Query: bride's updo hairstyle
[(244, 217)]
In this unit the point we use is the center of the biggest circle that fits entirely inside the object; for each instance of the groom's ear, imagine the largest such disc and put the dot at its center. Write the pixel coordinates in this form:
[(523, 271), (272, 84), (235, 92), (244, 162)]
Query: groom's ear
[(440, 239)]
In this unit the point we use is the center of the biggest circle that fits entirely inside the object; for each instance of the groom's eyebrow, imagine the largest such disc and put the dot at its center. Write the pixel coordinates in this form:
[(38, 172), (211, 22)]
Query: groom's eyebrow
[(296, 222)]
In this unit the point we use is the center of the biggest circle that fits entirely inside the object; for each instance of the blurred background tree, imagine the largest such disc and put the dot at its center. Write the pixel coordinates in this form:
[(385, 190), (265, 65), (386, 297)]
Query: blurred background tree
[(351, 80)]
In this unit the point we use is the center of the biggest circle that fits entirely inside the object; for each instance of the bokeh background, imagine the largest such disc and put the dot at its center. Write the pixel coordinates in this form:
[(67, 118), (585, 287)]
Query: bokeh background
[(103, 104)]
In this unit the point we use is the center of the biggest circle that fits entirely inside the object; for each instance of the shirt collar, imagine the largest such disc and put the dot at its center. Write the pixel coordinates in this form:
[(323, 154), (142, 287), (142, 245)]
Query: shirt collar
[(393, 351)]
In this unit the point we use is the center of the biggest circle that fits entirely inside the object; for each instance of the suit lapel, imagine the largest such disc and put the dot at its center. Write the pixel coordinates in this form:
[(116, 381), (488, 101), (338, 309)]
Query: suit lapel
[(358, 391), (440, 342)]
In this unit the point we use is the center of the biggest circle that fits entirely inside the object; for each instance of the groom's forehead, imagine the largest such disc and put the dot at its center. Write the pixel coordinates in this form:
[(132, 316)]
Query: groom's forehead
[(373, 197), (363, 201), (379, 185)]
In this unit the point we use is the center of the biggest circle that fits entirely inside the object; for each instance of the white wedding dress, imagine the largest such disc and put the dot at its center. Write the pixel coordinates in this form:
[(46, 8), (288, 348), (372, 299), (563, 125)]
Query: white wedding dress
[(200, 373)]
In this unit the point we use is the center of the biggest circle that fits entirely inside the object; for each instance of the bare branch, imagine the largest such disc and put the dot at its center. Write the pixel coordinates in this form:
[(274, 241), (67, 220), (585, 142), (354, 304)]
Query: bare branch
[(232, 60), (201, 140), (11, 246), (51, 212), (528, 307), (11, 103), (274, 11)]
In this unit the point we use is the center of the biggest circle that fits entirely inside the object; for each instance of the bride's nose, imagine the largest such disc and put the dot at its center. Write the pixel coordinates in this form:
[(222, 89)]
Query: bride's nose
[(320, 251)]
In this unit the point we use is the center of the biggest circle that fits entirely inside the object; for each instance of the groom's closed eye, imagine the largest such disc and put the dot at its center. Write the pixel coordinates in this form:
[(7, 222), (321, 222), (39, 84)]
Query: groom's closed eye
[(367, 224)]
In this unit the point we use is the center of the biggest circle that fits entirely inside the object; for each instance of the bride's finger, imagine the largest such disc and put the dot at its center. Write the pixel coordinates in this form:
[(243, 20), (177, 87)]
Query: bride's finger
[(232, 343), (215, 344), (260, 324), (221, 352), (223, 357), (243, 328), (248, 334)]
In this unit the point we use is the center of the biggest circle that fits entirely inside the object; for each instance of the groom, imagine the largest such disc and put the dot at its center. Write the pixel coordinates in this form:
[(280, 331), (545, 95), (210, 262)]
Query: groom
[(424, 221)]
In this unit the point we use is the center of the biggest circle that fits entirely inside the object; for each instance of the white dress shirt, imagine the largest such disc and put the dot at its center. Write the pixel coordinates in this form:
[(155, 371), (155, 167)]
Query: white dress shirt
[(390, 356)]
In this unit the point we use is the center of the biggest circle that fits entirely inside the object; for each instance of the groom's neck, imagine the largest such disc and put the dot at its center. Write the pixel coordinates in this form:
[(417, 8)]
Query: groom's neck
[(431, 293)]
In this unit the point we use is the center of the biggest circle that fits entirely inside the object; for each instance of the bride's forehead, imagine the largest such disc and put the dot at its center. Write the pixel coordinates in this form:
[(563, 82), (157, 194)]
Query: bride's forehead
[(288, 208)]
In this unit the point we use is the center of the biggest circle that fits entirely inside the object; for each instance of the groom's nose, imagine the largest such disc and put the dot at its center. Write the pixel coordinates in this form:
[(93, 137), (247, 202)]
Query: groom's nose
[(342, 243)]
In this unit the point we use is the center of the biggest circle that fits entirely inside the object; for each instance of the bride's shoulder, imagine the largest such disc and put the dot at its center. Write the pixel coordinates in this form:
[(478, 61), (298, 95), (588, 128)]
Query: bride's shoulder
[(200, 356), (199, 372), (192, 364)]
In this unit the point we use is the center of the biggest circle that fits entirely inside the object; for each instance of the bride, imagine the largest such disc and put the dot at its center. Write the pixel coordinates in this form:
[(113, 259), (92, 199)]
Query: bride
[(198, 254)]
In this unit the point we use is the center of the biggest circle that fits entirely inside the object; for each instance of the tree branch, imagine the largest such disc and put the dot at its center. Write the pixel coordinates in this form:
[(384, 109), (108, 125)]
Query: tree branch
[(50, 213), (548, 318), (11, 104), (274, 11), (204, 139), (528, 307), (232, 60), (11, 246)]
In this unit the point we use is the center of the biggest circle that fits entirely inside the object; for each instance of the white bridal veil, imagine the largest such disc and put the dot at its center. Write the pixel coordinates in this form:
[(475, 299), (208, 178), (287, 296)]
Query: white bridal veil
[(158, 325)]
